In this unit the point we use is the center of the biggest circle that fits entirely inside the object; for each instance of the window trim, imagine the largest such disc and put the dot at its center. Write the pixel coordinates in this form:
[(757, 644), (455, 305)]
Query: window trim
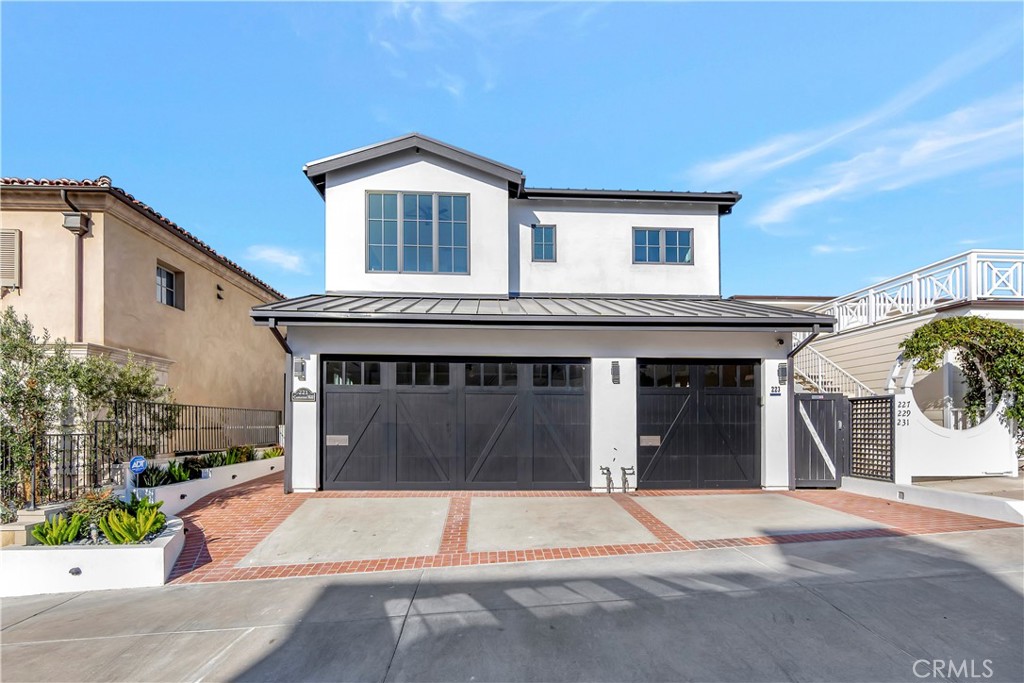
[(435, 234), (179, 285), (661, 248), (554, 243)]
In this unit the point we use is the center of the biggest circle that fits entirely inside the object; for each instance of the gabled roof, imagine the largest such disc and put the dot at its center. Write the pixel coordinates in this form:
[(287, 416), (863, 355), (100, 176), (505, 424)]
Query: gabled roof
[(102, 184), (552, 311), (317, 170)]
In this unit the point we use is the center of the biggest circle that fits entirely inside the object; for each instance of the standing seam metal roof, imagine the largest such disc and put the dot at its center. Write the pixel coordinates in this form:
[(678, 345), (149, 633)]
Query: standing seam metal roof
[(654, 310)]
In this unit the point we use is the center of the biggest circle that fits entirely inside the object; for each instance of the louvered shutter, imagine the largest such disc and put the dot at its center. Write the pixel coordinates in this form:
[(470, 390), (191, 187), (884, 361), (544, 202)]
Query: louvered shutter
[(10, 258)]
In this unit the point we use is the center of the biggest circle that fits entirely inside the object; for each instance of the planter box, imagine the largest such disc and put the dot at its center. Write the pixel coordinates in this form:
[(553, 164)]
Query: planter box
[(31, 570), (177, 497)]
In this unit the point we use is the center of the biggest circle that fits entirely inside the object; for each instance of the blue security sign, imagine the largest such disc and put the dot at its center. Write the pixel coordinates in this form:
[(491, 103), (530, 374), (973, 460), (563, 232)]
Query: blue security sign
[(138, 464)]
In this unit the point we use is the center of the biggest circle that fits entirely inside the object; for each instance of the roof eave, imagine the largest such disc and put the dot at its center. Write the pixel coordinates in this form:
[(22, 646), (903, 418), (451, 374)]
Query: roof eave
[(317, 170)]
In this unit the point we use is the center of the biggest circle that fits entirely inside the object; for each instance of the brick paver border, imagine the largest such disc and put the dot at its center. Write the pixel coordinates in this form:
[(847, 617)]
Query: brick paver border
[(224, 527)]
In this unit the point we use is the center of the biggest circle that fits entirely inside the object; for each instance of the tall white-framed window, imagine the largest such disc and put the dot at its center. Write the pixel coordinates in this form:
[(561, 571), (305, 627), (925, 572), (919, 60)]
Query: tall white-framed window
[(170, 287), (663, 245), (408, 232), (544, 243)]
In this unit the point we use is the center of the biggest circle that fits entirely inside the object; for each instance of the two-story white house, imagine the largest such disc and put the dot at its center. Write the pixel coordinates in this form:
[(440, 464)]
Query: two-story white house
[(477, 333)]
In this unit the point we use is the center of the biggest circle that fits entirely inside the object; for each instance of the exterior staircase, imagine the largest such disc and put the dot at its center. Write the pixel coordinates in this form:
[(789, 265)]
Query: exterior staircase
[(818, 374)]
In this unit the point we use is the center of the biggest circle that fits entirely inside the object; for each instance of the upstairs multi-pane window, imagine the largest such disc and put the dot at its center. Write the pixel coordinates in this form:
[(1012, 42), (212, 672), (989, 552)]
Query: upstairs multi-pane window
[(663, 245), (543, 243), (430, 234)]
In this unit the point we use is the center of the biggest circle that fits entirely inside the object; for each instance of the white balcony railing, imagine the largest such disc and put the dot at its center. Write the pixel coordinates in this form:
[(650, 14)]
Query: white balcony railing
[(971, 276), (825, 376)]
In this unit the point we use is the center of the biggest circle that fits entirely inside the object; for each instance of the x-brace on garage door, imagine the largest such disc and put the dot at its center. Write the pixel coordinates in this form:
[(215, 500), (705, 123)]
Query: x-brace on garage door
[(698, 424), (442, 423)]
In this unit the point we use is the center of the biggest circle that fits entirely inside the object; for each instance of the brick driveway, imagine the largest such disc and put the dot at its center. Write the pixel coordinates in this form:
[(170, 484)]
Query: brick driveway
[(237, 533)]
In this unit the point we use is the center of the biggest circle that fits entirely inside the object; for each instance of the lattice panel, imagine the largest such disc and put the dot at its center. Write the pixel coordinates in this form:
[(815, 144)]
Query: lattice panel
[(871, 437)]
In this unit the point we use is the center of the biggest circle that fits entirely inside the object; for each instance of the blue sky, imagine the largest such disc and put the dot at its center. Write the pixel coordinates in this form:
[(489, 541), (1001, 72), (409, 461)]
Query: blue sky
[(867, 139)]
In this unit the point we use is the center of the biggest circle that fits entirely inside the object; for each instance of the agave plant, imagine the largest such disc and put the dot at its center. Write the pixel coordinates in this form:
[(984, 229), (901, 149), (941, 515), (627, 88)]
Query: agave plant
[(59, 530), (121, 527), (178, 472)]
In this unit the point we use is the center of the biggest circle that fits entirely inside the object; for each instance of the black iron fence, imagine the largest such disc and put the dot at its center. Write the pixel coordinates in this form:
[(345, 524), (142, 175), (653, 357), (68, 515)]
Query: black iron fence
[(163, 429), (59, 467)]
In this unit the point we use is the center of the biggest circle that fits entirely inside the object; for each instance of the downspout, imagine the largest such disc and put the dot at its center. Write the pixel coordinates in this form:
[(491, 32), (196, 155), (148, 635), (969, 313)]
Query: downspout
[(79, 275), (283, 341), (791, 397)]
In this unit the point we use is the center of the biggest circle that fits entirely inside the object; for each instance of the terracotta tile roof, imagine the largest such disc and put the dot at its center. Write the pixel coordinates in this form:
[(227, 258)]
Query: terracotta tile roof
[(103, 183)]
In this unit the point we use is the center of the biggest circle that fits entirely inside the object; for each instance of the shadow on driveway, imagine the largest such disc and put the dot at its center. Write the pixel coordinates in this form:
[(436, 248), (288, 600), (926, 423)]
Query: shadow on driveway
[(867, 610)]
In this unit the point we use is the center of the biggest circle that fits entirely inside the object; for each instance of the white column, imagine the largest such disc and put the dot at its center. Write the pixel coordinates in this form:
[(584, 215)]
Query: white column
[(612, 420), (774, 427), (306, 431)]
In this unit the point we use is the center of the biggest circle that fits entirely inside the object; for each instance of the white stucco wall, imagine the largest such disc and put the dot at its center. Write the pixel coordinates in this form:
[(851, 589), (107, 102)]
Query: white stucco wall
[(345, 248), (594, 242), (613, 407)]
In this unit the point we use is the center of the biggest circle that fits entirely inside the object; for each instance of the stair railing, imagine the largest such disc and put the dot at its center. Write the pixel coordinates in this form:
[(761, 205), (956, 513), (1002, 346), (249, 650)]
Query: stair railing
[(827, 377)]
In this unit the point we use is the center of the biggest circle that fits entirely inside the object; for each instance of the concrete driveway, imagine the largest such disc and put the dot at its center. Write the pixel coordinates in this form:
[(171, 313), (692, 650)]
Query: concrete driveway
[(254, 531), (878, 609)]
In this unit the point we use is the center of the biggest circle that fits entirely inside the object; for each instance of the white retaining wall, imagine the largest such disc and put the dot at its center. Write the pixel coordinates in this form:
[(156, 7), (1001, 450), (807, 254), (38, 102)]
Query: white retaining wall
[(36, 569), (991, 507), (178, 497)]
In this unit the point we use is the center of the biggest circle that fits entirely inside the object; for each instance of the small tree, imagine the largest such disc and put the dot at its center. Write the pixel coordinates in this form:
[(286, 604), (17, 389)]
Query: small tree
[(36, 391), (991, 357), (44, 389)]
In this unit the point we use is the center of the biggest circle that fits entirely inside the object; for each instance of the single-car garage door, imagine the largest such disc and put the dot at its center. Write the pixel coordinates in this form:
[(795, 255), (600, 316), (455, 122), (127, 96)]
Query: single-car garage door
[(698, 424), (439, 423)]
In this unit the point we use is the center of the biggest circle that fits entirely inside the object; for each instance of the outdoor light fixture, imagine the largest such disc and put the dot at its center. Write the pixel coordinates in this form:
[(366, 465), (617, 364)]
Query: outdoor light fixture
[(76, 222), (75, 571)]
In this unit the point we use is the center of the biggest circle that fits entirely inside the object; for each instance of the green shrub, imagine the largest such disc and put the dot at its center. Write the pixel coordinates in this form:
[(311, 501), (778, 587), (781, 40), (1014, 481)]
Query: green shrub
[(59, 530), (194, 466), (153, 477), (135, 504), (239, 454), (209, 460), (178, 472), (94, 506), (275, 452), (121, 526)]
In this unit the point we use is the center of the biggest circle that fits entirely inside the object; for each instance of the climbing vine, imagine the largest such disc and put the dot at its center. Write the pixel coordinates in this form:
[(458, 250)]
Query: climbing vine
[(990, 354)]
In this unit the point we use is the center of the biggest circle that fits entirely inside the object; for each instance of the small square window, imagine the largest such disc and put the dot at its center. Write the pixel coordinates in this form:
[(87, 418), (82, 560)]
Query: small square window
[(544, 243)]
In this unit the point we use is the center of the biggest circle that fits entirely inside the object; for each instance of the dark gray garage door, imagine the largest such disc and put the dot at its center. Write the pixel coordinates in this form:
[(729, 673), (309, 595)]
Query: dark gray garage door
[(698, 424), (437, 423)]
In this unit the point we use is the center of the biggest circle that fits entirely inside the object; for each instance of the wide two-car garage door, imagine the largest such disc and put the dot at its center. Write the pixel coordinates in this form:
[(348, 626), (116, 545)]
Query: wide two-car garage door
[(438, 423), (697, 424)]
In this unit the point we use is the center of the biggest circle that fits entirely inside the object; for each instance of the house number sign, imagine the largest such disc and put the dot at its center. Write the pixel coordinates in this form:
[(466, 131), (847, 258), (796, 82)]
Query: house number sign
[(303, 395)]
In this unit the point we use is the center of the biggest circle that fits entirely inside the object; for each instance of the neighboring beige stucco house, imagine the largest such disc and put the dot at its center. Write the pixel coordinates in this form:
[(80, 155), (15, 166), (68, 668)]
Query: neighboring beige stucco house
[(100, 290)]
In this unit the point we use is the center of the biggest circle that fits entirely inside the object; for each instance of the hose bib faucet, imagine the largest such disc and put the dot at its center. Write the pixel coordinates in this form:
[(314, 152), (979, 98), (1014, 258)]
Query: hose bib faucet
[(607, 472), (627, 471)]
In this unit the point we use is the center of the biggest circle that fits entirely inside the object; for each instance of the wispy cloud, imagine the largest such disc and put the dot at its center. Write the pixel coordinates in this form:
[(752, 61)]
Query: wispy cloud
[(285, 259), (452, 44), (836, 248), (971, 241), (968, 138), (784, 150)]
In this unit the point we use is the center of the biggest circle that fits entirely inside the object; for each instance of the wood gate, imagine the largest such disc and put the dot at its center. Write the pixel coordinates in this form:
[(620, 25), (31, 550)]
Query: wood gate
[(821, 439)]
